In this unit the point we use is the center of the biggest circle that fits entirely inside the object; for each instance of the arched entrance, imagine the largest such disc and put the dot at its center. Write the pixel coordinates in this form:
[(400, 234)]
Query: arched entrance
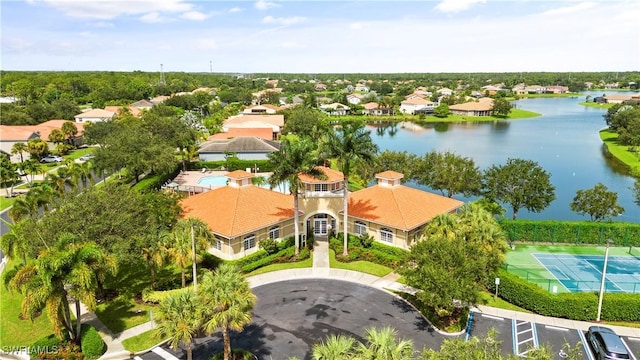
[(320, 224)]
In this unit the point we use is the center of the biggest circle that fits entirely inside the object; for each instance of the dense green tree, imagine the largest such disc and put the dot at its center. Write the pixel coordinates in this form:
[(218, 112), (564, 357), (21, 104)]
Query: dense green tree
[(41, 111), (449, 173), (501, 107), (181, 244), (56, 136), (227, 301), (521, 184), (97, 133), (179, 318), (467, 247), (636, 192), (19, 148), (303, 121), (441, 111), (294, 158), (70, 131), (350, 145), (65, 109), (13, 114), (153, 250), (402, 162), (64, 269), (8, 175), (37, 148), (598, 202)]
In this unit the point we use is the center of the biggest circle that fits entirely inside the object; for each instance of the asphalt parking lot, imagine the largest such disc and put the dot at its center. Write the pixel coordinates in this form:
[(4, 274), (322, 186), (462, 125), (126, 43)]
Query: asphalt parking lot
[(291, 316)]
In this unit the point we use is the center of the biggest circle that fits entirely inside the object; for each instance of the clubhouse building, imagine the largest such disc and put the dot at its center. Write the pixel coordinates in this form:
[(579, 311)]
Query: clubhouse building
[(241, 214)]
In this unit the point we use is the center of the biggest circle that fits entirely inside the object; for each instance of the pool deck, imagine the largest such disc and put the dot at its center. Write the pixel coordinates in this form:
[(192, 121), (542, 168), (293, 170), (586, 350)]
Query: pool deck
[(188, 180)]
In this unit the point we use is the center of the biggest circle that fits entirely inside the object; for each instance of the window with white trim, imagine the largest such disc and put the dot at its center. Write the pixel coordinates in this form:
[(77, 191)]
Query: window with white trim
[(274, 232), (249, 242), (321, 187), (386, 235), (359, 228), (217, 244)]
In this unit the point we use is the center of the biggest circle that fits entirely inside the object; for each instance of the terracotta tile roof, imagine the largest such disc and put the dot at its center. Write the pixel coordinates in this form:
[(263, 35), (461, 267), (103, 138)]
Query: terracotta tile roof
[(273, 120), (484, 104), (370, 105), (45, 128), (240, 145), (331, 176), (416, 101), (118, 109), (622, 97), (96, 113), (389, 174), (17, 133), (399, 206), (231, 211), (265, 133), (142, 104), (239, 174)]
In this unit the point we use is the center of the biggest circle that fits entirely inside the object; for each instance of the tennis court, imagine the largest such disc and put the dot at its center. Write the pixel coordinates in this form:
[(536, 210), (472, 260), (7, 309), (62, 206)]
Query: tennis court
[(583, 273)]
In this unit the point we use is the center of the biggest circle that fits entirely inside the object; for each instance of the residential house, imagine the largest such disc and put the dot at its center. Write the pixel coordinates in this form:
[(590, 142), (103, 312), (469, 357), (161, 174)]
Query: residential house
[(416, 95), (12, 134), (245, 148), (557, 89), (261, 109), (390, 212), (362, 88), (273, 122), (416, 104), (354, 99), (617, 98), (374, 109), (95, 115), (271, 83), (445, 92), (491, 89), (159, 99), (480, 107), (534, 89), (265, 133), (519, 89), (320, 87), (335, 109), (588, 85), (134, 111), (143, 104)]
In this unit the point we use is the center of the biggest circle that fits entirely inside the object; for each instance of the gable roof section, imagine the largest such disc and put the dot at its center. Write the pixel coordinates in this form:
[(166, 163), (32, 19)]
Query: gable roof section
[(265, 133), (231, 211), (118, 110), (484, 104), (416, 101), (96, 113), (47, 127), (239, 145), (371, 106), (399, 206), (17, 133), (273, 120), (330, 176), (142, 104)]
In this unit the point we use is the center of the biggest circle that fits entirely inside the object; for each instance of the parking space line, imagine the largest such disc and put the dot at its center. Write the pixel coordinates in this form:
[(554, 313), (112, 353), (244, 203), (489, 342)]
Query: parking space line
[(137, 358), (492, 317), (628, 349), (514, 337), (164, 353), (535, 335), (555, 328), (587, 350), (524, 331)]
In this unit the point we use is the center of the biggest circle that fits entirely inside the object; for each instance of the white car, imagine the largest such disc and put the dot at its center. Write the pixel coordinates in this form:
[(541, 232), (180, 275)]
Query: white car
[(86, 157), (51, 159)]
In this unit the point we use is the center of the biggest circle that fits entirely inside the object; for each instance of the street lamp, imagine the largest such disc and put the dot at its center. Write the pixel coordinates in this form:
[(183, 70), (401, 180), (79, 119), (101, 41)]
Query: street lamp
[(604, 275)]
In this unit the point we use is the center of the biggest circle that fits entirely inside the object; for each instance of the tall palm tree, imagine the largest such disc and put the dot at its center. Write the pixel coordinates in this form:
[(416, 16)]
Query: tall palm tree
[(15, 242), (292, 160), (69, 129), (180, 245), (154, 251), (69, 269), (382, 344), (19, 148), (61, 179), (82, 172), (228, 302), (335, 347), (350, 145), (179, 318)]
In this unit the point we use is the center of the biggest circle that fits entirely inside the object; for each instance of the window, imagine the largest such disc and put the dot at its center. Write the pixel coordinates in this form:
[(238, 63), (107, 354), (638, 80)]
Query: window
[(274, 232), (386, 235), (217, 244), (249, 242), (360, 228), (321, 187)]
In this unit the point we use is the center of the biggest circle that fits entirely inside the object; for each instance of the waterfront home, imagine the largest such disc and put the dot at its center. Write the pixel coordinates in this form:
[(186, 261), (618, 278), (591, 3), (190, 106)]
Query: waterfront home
[(412, 105), (256, 121), (480, 107), (335, 109), (245, 148), (374, 109)]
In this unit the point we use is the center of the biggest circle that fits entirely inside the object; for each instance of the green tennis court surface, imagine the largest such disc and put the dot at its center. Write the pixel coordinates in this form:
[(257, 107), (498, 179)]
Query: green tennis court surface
[(559, 268)]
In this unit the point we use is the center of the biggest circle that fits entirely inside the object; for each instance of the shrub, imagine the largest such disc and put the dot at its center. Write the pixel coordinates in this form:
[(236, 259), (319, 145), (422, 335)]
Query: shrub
[(46, 344), (304, 254), (68, 351), (236, 354), (269, 245), (285, 243), (92, 344), (156, 297), (366, 240), (155, 181)]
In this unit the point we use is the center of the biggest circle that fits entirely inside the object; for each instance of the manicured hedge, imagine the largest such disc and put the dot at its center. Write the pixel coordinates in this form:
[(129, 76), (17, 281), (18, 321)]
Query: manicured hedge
[(46, 344), (376, 252), (232, 164), (155, 181), (92, 344), (575, 306), (574, 232)]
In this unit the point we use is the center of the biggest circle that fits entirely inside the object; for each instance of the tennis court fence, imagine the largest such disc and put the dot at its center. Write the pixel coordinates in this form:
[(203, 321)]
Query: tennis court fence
[(566, 285)]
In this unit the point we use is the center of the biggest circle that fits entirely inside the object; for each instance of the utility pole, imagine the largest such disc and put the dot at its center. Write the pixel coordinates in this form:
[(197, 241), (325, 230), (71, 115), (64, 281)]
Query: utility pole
[(211, 66), (162, 81), (193, 251)]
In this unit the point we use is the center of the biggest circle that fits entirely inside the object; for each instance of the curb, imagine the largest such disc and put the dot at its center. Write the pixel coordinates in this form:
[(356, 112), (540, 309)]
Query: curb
[(117, 355)]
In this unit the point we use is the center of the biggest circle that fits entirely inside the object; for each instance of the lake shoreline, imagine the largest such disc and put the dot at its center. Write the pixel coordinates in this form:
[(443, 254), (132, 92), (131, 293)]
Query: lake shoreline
[(620, 152)]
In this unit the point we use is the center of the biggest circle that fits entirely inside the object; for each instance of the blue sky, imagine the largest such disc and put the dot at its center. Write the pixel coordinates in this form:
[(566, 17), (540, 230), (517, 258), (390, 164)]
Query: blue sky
[(320, 36)]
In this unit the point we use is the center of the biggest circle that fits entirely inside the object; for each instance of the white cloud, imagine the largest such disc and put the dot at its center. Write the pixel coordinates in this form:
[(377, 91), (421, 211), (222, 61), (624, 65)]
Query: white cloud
[(235, 9), (284, 21), (195, 15), (291, 45), (357, 26), (153, 17), (569, 9), (102, 24), (453, 6), (112, 9), (265, 5), (206, 44)]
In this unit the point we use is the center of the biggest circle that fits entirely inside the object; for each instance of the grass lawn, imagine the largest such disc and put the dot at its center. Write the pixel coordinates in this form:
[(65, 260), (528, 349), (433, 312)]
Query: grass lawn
[(501, 304), (620, 152), (361, 266), (142, 341), (16, 332), (75, 154), (6, 202), (283, 266), (595, 105)]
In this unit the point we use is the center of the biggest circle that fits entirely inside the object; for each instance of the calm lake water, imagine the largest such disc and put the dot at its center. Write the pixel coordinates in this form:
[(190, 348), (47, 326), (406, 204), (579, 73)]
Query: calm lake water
[(564, 141)]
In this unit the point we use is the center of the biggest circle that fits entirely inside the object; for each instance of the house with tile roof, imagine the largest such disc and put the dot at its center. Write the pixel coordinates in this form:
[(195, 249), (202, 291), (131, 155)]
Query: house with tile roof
[(95, 115), (374, 109), (261, 109), (335, 109), (355, 98), (119, 110), (245, 148), (256, 121), (480, 107), (415, 104), (241, 214), (12, 134), (143, 104)]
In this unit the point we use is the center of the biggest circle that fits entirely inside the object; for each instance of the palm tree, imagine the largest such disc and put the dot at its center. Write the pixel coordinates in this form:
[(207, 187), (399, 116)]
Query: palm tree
[(228, 302), (8, 175), (351, 146), (16, 242), (61, 180), (69, 269), (179, 319), (19, 148), (381, 344), (70, 130), (37, 148), (335, 347), (180, 246), (82, 172), (154, 252), (292, 160)]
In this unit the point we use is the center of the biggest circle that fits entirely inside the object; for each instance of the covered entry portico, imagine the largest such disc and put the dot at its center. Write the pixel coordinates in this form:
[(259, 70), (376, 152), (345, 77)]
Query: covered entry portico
[(320, 223)]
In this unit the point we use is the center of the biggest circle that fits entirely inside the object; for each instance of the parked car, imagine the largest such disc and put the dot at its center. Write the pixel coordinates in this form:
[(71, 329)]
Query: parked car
[(51, 159), (606, 344), (86, 157)]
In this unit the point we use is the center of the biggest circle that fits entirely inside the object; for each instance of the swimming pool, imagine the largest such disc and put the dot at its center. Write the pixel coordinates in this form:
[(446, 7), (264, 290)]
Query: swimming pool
[(221, 180)]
